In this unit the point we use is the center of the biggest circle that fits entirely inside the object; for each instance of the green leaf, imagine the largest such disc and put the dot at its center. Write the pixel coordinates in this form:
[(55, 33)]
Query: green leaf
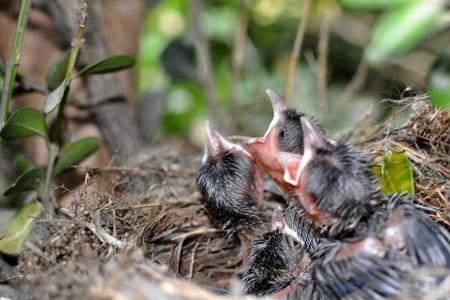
[(75, 152), (28, 181), (56, 96), (395, 172), (23, 123), (400, 29), (19, 228), (439, 81), (374, 4), (22, 164), (57, 72), (109, 65)]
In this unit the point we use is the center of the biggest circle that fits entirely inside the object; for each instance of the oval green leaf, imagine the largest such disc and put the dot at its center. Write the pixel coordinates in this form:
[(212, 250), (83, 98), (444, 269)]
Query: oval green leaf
[(57, 72), (75, 152), (439, 81), (22, 164), (28, 181), (19, 228), (57, 96), (395, 172), (24, 123), (374, 4), (400, 29), (109, 65)]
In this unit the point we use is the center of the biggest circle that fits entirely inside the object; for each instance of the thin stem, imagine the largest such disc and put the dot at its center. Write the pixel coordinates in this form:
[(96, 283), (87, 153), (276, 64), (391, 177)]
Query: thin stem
[(324, 37), (46, 193), (13, 61), (206, 74), (74, 49), (236, 64), (295, 54)]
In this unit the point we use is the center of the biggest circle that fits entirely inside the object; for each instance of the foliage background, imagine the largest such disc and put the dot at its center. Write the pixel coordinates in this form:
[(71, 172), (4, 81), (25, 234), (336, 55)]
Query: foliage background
[(361, 68)]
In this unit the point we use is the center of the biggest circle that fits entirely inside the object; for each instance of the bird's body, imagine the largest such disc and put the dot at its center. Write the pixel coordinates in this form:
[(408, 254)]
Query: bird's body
[(230, 185)]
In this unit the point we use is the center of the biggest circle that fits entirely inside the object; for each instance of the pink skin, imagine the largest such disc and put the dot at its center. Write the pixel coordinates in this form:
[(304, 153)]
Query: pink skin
[(287, 169), (266, 152)]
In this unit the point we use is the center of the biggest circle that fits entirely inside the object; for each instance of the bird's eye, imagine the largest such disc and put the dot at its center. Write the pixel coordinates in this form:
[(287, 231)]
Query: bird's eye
[(281, 134)]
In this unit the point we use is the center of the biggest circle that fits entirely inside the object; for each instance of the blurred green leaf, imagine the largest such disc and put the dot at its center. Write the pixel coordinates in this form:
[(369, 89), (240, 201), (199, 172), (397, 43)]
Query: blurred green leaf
[(28, 181), (395, 172), (375, 4), (57, 96), (22, 164), (75, 152), (109, 65), (439, 81), (400, 29), (57, 72), (18, 230), (23, 123)]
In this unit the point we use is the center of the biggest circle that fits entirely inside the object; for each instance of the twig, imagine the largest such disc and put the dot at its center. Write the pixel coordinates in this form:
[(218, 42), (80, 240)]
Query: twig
[(295, 54), (13, 61), (204, 63), (237, 58), (98, 231), (357, 81), (324, 37), (75, 48)]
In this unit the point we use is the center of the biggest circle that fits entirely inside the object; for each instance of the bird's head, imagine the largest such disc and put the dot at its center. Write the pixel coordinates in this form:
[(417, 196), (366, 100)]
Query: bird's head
[(228, 181), (281, 148), (332, 180)]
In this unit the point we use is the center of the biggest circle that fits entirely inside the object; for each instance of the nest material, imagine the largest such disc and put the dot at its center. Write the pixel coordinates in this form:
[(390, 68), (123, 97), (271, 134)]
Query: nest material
[(151, 225), (425, 138)]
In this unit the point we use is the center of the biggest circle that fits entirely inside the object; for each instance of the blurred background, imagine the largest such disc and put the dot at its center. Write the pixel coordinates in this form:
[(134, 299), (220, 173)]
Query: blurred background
[(354, 54)]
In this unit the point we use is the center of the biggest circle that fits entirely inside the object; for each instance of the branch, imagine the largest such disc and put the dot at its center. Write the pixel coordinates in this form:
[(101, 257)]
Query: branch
[(296, 51), (324, 37), (204, 63), (236, 64), (13, 61)]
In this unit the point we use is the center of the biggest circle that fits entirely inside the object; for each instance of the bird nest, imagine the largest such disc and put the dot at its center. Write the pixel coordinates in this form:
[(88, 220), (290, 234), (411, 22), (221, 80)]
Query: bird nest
[(142, 231)]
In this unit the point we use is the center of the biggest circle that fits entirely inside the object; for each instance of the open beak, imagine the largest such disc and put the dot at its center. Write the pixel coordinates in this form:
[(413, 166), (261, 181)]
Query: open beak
[(216, 144), (313, 139), (265, 150)]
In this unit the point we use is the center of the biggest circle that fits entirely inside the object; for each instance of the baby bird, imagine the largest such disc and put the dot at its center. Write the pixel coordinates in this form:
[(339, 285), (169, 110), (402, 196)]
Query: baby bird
[(275, 262), (332, 182), (361, 268), (230, 184), (283, 138)]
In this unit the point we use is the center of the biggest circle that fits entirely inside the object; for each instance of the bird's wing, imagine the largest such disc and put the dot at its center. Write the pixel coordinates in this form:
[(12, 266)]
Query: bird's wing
[(359, 277), (410, 229)]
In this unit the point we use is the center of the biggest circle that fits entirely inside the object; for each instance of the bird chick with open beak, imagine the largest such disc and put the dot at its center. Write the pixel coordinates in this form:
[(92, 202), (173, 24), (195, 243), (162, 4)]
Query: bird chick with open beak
[(230, 184), (342, 198), (332, 182), (283, 138)]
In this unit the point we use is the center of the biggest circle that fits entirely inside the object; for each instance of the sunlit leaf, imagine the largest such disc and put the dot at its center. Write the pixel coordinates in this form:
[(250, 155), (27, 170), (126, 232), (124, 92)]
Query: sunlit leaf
[(395, 172), (75, 152), (23, 123), (439, 81), (19, 228), (400, 29), (28, 181), (57, 72), (374, 4), (57, 96), (109, 65)]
